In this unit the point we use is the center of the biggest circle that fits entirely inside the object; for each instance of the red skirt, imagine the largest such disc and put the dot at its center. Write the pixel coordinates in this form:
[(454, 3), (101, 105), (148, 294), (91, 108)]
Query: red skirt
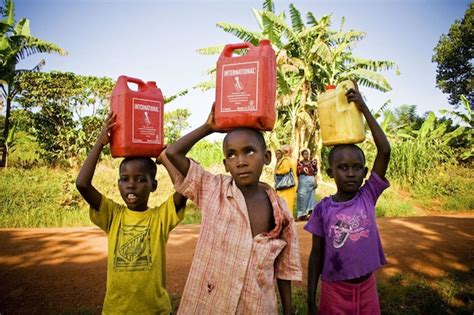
[(349, 299)]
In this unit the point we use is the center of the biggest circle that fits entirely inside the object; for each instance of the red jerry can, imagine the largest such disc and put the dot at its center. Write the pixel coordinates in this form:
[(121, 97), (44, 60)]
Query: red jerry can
[(139, 119), (246, 87)]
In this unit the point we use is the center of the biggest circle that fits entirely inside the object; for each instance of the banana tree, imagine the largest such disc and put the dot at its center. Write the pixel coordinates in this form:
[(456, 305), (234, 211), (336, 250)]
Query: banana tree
[(16, 43), (309, 56), (467, 119), (319, 56)]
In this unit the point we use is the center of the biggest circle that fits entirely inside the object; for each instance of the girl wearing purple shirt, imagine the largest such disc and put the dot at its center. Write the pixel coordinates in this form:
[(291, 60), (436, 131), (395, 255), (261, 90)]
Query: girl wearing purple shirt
[(346, 246)]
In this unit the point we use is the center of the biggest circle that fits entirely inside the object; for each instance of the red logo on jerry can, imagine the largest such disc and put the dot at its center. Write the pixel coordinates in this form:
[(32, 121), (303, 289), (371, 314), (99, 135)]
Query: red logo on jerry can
[(139, 123), (240, 87), (246, 87), (146, 121)]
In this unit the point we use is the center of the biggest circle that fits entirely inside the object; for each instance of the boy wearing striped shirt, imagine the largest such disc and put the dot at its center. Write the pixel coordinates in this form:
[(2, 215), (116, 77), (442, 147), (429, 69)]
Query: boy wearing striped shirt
[(247, 238)]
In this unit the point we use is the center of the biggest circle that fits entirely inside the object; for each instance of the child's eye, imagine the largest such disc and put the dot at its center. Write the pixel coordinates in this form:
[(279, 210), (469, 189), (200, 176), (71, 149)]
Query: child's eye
[(123, 178), (141, 179), (250, 152), (231, 155)]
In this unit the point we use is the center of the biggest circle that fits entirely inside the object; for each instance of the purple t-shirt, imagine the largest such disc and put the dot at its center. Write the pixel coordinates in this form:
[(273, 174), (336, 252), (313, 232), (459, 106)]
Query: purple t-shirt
[(352, 246)]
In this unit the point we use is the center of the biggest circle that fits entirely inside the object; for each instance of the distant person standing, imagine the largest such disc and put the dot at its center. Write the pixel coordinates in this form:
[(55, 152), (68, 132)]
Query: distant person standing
[(306, 171), (283, 166)]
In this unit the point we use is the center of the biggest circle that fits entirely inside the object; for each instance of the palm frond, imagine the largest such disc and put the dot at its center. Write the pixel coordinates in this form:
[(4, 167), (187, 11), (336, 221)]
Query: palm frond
[(269, 6), (205, 86), (311, 20), (240, 32), (372, 65), (23, 28), (366, 78), (453, 134), (386, 122), (383, 108), (283, 86), (4, 45), (287, 68), (258, 16), (38, 46), (174, 96), (8, 16), (212, 50), (427, 126), (212, 71), (296, 21), (281, 25), (321, 49), (269, 29), (343, 22)]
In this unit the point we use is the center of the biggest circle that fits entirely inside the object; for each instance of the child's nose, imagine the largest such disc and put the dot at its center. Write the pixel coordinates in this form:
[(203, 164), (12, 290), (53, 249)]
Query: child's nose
[(241, 160)]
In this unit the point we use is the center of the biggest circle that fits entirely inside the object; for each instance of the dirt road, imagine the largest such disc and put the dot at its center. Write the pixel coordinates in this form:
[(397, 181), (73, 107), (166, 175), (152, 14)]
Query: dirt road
[(63, 270)]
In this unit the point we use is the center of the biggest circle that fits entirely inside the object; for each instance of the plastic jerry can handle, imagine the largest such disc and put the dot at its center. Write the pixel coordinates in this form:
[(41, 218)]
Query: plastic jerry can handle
[(341, 99), (123, 80), (229, 48)]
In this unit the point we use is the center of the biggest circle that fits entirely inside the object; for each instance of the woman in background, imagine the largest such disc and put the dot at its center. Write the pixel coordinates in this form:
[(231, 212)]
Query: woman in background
[(306, 171), (283, 166)]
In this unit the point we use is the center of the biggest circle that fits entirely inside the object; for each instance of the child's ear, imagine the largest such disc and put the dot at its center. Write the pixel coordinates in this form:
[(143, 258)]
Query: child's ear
[(329, 172), (268, 157), (225, 165), (366, 170), (154, 185)]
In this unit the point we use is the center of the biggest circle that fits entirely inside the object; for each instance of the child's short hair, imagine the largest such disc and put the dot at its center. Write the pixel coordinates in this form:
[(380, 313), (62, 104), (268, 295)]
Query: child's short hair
[(340, 147), (258, 134), (147, 162)]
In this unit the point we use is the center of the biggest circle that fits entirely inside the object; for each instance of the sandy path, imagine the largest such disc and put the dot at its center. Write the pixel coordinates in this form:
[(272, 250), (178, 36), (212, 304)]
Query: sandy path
[(62, 270)]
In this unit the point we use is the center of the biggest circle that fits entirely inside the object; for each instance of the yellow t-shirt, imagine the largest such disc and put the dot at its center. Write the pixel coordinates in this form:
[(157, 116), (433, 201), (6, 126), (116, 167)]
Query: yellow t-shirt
[(136, 263)]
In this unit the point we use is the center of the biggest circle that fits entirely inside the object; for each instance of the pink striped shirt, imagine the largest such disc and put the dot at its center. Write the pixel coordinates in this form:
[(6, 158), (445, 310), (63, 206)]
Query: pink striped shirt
[(233, 272)]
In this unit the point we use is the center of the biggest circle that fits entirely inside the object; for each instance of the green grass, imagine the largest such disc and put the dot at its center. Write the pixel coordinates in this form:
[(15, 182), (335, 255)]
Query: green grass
[(449, 189), (391, 204), (40, 197), (46, 197), (451, 294)]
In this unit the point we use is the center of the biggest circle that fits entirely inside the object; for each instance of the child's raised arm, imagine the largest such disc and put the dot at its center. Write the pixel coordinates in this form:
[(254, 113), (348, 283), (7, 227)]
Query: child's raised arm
[(177, 151), (383, 146), (179, 200), (84, 179)]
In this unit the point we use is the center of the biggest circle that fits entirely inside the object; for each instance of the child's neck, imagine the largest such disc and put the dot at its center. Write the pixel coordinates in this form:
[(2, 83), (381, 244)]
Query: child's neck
[(142, 209), (342, 196), (251, 190)]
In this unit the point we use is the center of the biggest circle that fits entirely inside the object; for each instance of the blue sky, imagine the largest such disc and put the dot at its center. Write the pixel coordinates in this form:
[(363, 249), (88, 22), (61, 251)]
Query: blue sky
[(157, 40)]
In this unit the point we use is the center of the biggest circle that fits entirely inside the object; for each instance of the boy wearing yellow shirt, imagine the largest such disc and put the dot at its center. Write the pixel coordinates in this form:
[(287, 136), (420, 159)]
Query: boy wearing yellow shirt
[(137, 235)]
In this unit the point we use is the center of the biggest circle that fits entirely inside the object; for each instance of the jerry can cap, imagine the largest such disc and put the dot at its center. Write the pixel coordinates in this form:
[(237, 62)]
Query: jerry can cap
[(265, 42), (329, 87)]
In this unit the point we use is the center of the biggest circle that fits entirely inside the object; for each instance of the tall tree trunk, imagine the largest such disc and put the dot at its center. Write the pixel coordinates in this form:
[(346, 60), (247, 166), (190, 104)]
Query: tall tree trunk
[(6, 129)]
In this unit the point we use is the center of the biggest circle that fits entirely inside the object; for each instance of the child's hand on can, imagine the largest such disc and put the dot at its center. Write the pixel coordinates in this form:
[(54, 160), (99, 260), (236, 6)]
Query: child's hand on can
[(109, 123), (353, 95)]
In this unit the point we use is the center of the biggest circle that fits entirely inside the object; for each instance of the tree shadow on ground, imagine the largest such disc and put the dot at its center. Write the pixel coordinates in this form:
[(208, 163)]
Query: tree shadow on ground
[(52, 271)]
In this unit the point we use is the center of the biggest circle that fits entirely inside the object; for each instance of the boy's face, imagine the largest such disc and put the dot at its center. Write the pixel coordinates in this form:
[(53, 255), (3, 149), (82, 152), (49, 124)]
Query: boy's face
[(244, 157), (135, 185), (305, 155), (278, 154), (348, 170)]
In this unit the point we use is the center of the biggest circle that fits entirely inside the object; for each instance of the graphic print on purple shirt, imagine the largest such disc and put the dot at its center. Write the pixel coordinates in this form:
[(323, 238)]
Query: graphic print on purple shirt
[(349, 227)]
